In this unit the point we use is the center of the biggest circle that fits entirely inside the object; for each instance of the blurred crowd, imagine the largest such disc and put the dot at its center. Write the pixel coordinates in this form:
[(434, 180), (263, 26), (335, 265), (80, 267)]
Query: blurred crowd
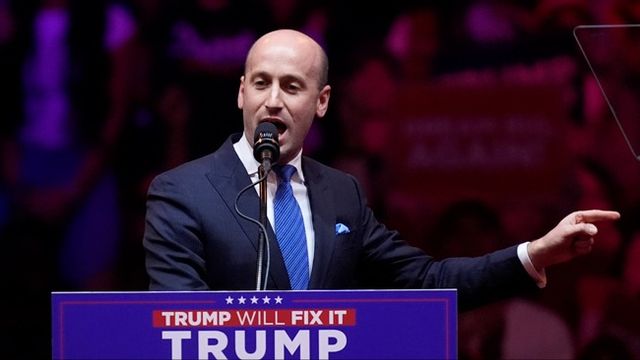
[(471, 127)]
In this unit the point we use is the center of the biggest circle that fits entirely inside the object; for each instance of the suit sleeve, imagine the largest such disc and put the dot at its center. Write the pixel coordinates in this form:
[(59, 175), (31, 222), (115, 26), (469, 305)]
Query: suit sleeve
[(390, 262), (174, 251)]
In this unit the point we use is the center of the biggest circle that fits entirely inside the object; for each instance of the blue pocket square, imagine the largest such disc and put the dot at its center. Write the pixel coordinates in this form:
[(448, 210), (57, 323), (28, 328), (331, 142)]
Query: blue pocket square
[(342, 229)]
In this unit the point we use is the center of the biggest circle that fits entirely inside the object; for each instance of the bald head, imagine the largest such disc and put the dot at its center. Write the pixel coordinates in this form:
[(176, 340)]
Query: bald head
[(284, 83), (301, 42)]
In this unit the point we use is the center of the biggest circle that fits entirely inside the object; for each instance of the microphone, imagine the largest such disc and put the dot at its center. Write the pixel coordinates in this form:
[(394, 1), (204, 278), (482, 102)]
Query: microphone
[(266, 148)]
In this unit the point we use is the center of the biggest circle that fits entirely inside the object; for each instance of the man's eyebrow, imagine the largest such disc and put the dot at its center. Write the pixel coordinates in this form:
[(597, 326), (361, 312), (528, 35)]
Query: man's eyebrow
[(286, 77), (258, 74)]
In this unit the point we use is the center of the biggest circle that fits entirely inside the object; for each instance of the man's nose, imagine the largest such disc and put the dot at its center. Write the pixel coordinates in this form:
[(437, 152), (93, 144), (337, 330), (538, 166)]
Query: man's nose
[(275, 98)]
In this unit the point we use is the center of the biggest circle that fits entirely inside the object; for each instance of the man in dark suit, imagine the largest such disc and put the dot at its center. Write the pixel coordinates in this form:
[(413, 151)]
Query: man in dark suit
[(195, 240)]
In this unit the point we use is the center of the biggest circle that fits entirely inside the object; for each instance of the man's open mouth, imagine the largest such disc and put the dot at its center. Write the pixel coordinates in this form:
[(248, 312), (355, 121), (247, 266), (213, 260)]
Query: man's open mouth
[(280, 125)]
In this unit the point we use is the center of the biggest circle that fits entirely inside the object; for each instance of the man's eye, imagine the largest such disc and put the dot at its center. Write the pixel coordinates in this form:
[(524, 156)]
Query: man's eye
[(260, 84), (293, 88)]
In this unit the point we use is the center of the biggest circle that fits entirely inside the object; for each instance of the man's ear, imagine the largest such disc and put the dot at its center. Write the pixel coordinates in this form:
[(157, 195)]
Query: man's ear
[(323, 101), (241, 93)]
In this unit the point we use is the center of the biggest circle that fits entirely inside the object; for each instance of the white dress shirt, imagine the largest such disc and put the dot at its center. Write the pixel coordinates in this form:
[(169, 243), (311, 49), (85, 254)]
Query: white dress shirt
[(245, 153)]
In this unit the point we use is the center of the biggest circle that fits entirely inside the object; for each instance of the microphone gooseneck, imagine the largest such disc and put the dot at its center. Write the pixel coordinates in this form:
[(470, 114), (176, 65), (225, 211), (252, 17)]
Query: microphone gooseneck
[(261, 279)]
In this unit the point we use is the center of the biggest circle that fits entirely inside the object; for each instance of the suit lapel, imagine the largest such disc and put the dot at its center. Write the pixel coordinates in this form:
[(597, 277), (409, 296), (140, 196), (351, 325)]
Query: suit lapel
[(324, 220), (228, 177)]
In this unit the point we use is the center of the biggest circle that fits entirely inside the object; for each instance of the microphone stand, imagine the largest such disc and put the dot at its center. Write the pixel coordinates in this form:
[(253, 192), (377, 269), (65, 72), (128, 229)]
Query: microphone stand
[(263, 220)]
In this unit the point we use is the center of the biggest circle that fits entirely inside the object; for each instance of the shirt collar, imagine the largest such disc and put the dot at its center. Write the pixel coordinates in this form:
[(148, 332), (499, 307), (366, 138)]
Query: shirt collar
[(245, 153)]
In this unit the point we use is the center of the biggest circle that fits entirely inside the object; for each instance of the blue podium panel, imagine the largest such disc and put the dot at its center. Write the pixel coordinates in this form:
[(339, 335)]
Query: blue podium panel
[(314, 324)]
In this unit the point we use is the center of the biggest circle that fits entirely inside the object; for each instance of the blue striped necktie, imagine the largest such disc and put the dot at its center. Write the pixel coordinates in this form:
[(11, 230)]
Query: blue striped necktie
[(289, 229)]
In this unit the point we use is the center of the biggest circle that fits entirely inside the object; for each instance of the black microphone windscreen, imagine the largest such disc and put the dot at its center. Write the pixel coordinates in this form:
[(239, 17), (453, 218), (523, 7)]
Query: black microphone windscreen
[(265, 140)]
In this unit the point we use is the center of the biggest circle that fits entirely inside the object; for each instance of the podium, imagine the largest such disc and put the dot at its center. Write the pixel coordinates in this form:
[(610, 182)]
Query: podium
[(313, 324)]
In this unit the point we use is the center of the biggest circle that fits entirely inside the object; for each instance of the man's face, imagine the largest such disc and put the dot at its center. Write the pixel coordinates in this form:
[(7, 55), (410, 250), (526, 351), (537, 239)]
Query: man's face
[(281, 86)]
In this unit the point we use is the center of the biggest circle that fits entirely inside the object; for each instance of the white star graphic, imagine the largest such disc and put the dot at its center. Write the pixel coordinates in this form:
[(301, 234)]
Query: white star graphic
[(229, 300), (266, 299), (278, 300), (254, 300), (241, 300)]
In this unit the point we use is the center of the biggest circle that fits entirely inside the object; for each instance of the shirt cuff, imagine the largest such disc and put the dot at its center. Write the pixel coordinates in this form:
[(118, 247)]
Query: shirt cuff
[(540, 277)]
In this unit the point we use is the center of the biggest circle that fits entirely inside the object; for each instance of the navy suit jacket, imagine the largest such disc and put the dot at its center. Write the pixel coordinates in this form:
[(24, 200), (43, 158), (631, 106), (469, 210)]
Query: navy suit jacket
[(195, 240)]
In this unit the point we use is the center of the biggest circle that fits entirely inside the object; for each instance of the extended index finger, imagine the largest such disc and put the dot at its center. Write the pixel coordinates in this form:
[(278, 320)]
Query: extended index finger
[(596, 215)]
